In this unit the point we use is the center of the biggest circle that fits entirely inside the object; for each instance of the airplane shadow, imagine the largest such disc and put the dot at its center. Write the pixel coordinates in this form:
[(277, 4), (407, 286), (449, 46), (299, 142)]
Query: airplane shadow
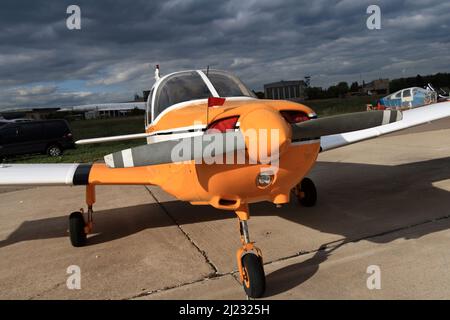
[(355, 201), (293, 275)]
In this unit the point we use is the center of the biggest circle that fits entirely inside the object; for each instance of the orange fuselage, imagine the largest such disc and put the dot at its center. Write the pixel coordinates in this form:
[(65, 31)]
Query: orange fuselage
[(224, 186)]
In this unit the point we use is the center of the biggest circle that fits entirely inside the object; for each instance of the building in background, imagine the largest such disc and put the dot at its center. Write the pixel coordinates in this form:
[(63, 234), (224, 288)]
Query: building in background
[(285, 90), (107, 113), (376, 87), (107, 110)]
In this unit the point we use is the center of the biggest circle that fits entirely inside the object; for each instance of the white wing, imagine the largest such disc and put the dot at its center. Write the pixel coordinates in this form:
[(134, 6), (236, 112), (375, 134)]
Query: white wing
[(43, 174), (113, 138), (411, 118)]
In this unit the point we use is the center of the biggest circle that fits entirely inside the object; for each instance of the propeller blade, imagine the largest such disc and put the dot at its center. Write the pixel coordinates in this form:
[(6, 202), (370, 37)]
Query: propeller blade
[(196, 148), (343, 123)]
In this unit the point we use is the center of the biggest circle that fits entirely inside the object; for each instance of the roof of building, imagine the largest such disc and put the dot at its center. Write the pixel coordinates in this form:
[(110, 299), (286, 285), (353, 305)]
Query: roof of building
[(283, 83)]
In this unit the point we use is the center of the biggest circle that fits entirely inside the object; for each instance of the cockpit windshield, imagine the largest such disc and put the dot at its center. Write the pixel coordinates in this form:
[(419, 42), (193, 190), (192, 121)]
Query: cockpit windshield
[(227, 85), (183, 86), (194, 85)]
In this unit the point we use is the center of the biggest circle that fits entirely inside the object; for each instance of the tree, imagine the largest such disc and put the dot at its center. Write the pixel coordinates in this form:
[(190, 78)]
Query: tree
[(258, 94), (315, 93), (354, 87), (342, 88), (333, 92), (419, 81)]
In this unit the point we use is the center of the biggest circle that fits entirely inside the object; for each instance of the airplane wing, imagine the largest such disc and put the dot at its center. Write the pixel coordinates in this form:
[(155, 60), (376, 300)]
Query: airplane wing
[(72, 175), (411, 118), (113, 138)]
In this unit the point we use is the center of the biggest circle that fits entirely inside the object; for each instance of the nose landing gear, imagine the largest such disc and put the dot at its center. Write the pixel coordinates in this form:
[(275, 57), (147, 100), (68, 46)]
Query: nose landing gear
[(249, 259)]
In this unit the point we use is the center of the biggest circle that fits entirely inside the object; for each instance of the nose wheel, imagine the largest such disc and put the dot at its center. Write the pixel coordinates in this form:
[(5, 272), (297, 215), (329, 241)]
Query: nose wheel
[(254, 279), (249, 260), (306, 192)]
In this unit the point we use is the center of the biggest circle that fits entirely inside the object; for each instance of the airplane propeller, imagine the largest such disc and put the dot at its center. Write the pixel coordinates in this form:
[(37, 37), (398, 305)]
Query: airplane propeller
[(343, 123), (191, 148), (178, 150)]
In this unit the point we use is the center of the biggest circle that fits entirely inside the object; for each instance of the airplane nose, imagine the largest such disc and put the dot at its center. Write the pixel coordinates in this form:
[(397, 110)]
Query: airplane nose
[(266, 133)]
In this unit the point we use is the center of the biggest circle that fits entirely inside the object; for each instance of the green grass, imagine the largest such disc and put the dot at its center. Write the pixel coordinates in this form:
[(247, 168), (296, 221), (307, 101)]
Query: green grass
[(329, 107), (84, 129)]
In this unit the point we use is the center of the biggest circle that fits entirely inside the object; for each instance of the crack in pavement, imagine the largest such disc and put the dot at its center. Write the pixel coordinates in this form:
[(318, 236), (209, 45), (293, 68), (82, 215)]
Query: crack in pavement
[(202, 252), (209, 278), (38, 295), (339, 243)]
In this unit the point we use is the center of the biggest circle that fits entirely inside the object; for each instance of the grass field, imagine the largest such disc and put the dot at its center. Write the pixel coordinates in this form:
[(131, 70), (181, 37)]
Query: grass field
[(83, 129), (328, 107)]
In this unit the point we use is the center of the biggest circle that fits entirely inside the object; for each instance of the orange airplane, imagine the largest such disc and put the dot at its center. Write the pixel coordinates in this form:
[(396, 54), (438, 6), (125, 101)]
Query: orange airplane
[(210, 141)]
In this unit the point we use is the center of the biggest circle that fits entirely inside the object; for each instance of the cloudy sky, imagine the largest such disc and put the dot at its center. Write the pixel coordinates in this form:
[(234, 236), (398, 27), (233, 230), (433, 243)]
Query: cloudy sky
[(111, 58)]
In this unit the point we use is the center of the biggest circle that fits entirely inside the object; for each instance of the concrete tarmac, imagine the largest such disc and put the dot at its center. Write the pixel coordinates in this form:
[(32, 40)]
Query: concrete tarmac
[(384, 205)]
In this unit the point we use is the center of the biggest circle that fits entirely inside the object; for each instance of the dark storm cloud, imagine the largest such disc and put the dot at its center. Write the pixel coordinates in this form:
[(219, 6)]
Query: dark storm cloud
[(260, 40)]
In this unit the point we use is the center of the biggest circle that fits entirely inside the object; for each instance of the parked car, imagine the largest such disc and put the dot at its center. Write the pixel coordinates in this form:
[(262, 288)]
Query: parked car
[(50, 137)]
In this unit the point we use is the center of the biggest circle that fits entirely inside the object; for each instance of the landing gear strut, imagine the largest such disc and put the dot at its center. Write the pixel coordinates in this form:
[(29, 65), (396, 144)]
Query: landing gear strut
[(78, 227), (249, 259), (306, 192)]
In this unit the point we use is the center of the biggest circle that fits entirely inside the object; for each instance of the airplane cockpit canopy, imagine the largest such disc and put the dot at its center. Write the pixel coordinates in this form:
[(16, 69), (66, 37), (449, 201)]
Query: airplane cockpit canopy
[(193, 85)]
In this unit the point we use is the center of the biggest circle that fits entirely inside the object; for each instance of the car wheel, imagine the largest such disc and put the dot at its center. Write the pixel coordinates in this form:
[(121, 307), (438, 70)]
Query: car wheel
[(54, 150)]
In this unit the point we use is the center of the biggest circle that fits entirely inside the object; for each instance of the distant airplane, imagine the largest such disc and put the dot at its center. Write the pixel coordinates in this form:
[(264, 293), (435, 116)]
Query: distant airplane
[(413, 97), (187, 112)]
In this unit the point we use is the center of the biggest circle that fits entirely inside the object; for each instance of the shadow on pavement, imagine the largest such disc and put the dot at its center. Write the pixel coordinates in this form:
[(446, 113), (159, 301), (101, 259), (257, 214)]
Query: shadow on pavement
[(355, 201)]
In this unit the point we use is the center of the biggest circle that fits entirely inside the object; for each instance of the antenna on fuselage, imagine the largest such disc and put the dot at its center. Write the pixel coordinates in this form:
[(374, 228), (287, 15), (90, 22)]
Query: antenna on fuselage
[(157, 77)]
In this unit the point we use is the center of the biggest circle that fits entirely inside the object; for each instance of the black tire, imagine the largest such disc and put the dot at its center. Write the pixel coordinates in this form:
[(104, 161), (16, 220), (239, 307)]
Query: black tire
[(76, 229), (310, 193), (254, 271), (54, 150)]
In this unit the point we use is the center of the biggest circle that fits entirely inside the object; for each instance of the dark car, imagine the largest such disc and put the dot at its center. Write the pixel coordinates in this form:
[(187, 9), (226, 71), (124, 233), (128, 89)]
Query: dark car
[(50, 137)]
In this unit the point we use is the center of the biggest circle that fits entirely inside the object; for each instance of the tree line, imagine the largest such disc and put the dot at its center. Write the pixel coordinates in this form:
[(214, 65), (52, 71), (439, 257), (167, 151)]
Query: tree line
[(439, 80)]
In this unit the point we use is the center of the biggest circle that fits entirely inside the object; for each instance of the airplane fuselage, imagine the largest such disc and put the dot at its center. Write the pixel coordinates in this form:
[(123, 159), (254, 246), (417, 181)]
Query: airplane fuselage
[(227, 186)]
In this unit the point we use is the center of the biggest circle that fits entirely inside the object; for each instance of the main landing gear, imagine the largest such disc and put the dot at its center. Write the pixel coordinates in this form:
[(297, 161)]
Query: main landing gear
[(79, 228), (249, 259), (306, 192)]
